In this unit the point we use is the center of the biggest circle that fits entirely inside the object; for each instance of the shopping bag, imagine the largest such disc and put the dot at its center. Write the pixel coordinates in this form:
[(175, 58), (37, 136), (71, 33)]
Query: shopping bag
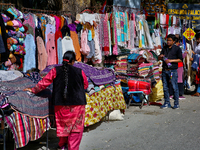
[(157, 92)]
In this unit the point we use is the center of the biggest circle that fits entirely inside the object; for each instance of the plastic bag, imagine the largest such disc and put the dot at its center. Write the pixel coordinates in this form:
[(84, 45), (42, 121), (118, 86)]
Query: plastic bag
[(157, 92)]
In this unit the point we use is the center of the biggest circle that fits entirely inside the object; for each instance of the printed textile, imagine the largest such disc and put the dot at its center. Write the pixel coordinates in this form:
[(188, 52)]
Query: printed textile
[(25, 128), (98, 76), (99, 103), (69, 119), (23, 101)]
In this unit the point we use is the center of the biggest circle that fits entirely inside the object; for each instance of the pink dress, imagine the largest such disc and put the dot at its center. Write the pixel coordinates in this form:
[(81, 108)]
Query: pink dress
[(51, 49), (68, 118)]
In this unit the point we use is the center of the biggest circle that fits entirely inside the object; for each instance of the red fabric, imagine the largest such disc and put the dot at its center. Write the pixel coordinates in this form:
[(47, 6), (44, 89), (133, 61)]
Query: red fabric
[(73, 141), (25, 28), (58, 35), (45, 82), (197, 77), (167, 22), (69, 119), (180, 64), (62, 141), (85, 81), (139, 86), (21, 65)]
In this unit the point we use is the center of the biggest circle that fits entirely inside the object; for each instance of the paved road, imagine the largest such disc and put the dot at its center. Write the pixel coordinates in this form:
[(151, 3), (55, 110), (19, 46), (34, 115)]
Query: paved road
[(150, 128)]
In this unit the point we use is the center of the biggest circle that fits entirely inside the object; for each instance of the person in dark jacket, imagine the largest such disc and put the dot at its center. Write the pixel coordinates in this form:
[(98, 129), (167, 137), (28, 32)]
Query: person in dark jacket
[(69, 99), (171, 56)]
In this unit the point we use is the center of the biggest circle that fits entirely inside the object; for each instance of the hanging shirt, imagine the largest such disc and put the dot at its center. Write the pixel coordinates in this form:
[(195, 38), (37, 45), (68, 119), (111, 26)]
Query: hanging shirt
[(57, 36), (67, 45), (29, 58), (77, 48), (28, 19), (49, 29), (58, 23), (42, 54), (59, 50), (51, 49)]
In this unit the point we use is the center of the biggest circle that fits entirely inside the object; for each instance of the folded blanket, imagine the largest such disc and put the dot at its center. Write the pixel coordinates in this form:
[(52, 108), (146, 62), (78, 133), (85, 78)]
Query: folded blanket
[(25, 102)]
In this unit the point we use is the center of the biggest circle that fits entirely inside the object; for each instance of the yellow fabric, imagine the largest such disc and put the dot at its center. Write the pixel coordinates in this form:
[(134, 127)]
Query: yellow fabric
[(140, 40), (99, 103), (62, 21), (9, 23), (157, 92), (93, 32), (143, 69), (17, 29)]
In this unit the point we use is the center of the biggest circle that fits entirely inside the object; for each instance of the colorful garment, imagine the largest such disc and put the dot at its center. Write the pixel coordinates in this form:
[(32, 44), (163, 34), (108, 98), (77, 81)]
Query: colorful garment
[(25, 128), (99, 103), (69, 119), (106, 36)]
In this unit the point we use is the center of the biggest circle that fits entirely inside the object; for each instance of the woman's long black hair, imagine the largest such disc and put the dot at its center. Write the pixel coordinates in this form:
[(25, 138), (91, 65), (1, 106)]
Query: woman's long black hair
[(68, 57)]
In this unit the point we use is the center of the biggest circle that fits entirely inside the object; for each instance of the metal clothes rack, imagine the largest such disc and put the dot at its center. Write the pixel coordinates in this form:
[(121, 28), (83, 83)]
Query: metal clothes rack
[(7, 5)]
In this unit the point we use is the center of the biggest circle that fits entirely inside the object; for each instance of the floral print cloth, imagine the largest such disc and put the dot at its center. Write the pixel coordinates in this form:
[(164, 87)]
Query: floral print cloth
[(99, 103)]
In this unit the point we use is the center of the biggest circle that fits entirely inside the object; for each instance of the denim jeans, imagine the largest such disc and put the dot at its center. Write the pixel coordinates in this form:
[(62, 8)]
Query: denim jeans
[(172, 76), (198, 88)]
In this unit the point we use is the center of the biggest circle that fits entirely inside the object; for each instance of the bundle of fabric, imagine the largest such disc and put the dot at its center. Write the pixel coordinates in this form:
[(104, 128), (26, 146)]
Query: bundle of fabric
[(13, 20), (157, 73), (9, 75), (26, 128), (25, 102), (144, 69), (137, 85), (99, 76), (34, 76), (135, 58), (47, 69), (132, 69), (121, 66)]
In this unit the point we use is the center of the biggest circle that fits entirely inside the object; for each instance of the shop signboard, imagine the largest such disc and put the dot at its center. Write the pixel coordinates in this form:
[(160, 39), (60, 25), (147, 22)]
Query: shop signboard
[(189, 34), (186, 11)]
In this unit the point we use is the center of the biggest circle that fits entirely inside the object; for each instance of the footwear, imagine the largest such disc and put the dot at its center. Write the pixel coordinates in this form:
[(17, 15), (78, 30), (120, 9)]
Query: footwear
[(171, 97), (196, 94), (181, 97), (166, 106), (176, 107)]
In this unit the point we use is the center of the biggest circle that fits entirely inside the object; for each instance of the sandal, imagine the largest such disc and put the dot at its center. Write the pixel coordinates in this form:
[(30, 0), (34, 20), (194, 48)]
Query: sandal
[(196, 94)]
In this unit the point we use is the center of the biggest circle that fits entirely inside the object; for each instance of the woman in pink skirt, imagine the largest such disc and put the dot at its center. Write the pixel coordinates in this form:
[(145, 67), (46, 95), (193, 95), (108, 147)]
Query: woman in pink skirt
[(69, 100)]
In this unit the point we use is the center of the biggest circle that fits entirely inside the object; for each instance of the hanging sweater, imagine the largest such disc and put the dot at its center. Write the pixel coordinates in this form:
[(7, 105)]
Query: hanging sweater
[(42, 54), (51, 49), (67, 45), (29, 58)]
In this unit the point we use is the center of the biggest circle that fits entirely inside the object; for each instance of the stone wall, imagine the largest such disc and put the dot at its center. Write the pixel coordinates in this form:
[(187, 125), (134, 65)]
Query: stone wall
[(75, 6)]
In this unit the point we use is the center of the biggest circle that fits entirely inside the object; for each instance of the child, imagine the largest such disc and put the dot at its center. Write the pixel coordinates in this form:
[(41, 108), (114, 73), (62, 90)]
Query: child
[(69, 99)]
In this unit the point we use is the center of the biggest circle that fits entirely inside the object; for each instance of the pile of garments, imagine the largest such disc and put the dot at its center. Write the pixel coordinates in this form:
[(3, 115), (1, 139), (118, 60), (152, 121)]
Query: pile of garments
[(121, 66), (15, 35)]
